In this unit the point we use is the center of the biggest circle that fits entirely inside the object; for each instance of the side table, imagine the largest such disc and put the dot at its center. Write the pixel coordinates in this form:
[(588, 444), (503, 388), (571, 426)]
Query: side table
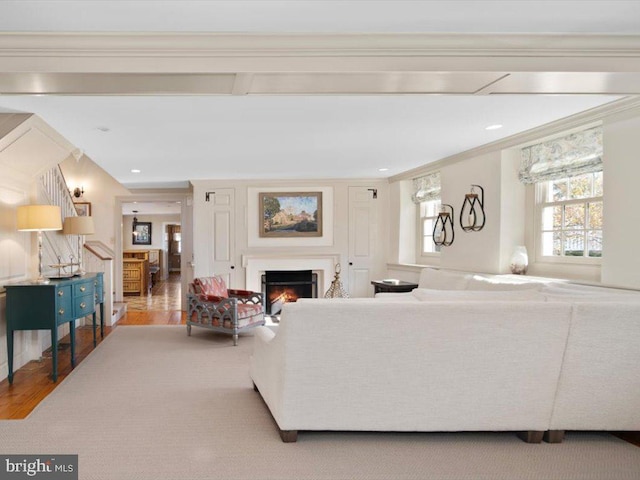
[(393, 286)]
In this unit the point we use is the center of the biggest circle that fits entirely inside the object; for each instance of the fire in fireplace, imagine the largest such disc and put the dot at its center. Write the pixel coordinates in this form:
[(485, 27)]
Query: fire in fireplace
[(283, 286)]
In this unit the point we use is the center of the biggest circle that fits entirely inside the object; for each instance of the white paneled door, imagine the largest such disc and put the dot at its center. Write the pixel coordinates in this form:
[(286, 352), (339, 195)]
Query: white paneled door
[(363, 233), (221, 234)]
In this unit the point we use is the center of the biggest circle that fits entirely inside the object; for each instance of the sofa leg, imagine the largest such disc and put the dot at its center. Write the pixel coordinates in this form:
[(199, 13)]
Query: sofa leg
[(288, 436), (554, 436), (188, 330), (531, 436)]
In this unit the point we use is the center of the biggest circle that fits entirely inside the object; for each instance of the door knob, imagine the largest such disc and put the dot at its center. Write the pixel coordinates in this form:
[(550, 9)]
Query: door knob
[(351, 263), (232, 267)]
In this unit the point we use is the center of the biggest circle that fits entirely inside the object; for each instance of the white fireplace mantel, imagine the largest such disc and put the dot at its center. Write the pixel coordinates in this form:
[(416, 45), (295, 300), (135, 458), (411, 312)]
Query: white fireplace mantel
[(323, 264)]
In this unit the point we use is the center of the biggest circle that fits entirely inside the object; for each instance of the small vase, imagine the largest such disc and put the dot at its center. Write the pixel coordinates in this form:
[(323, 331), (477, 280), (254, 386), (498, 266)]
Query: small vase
[(519, 261)]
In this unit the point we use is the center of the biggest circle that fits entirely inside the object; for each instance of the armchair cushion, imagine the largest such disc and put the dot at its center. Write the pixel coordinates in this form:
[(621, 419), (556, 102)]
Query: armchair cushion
[(211, 286), (240, 293)]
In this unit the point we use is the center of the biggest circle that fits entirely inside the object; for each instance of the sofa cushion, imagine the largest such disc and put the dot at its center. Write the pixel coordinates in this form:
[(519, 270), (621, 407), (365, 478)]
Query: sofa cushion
[(478, 282), (443, 280), (428, 295), (567, 293)]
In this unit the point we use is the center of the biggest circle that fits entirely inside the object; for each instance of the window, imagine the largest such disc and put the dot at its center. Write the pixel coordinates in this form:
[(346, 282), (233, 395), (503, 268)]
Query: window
[(571, 216), (426, 196), (428, 214), (567, 174)]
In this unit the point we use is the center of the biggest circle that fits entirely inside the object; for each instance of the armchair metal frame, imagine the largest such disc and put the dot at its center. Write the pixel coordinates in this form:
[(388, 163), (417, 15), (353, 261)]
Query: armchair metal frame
[(222, 315)]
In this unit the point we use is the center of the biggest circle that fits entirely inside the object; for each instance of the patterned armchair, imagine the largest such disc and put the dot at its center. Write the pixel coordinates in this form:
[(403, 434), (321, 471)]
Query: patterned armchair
[(213, 306)]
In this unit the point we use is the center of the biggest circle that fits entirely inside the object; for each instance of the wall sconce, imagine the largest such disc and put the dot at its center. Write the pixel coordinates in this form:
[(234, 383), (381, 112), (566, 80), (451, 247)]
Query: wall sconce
[(472, 217), (38, 218), (78, 192), (443, 232)]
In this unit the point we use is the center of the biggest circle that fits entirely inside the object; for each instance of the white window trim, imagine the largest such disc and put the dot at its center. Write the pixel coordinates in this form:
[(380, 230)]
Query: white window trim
[(540, 192), (422, 256)]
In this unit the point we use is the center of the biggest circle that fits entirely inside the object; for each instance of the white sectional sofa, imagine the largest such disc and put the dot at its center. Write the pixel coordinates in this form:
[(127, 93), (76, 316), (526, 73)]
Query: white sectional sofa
[(531, 358)]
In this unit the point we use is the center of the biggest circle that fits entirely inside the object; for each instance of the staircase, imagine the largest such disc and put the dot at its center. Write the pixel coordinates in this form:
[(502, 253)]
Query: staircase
[(59, 248)]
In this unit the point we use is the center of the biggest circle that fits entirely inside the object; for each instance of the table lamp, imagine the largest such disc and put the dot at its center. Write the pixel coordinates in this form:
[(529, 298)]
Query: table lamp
[(79, 226), (39, 218)]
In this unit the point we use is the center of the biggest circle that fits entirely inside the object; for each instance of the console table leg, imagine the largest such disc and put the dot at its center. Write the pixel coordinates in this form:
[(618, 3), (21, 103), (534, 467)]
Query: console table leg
[(102, 320), (54, 352), (10, 354), (95, 342), (72, 339)]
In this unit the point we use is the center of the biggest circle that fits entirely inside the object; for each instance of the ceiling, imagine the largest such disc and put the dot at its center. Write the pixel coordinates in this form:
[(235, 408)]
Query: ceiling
[(271, 104)]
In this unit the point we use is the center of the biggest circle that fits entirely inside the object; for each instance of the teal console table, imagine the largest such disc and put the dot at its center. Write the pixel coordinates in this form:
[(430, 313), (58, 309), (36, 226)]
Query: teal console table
[(46, 307)]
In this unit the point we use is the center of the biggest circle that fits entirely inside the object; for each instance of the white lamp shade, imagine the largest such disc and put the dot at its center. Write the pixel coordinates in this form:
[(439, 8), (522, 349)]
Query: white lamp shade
[(39, 217), (78, 226)]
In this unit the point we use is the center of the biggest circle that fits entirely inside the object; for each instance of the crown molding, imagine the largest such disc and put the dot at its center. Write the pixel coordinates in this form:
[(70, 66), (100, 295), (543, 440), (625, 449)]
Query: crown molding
[(581, 119), (193, 53), (206, 44)]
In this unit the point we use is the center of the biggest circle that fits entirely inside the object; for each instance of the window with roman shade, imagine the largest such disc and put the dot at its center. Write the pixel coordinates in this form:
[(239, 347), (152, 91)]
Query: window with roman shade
[(426, 196), (568, 156), (567, 173)]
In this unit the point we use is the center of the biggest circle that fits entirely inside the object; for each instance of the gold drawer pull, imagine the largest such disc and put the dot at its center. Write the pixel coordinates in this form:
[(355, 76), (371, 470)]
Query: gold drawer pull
[(82, 289), (60, 293), (61, 311), (82, 305)]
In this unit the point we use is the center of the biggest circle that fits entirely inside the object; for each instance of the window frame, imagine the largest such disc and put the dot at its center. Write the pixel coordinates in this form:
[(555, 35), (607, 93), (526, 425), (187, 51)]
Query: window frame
[(421, 255), (541, 194)]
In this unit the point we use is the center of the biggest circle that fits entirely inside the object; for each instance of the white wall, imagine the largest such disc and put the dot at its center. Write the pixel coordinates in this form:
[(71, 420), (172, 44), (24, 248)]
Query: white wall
[(158, 240), (474, 251), (100, 189), (510, 220), (244, 212), (621, 237)]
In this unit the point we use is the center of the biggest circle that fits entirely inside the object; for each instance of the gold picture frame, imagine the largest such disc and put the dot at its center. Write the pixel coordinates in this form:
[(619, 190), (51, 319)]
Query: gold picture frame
[(290, 214), (83, 209)]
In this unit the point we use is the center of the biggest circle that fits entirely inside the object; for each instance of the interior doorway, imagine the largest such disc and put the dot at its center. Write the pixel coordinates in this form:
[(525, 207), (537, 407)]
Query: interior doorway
[(152, 261), (174, 247)]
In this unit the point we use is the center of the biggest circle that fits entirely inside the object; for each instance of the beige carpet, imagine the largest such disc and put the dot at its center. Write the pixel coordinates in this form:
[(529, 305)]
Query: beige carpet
[(152, 403)]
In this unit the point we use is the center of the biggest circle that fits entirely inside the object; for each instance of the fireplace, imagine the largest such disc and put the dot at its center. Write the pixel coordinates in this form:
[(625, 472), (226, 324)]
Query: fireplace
[(282, 286)]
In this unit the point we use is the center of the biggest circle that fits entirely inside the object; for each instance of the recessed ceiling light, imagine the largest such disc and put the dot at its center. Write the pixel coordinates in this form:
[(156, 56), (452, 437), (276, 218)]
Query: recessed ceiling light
[(494, 127), (135, 170), (383, 169)]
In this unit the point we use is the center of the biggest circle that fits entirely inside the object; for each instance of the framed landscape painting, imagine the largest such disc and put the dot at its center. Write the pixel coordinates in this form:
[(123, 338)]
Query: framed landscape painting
[(297, 214)]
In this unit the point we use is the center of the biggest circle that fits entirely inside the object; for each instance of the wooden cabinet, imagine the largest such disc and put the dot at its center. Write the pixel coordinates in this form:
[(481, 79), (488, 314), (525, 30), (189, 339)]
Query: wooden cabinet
[(135, 274), (137, 270)]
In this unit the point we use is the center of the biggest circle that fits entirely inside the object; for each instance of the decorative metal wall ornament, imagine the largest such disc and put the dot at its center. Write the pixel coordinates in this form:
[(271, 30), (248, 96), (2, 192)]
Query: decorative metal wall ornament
[(443, 232), (336, 290), (472, 217)]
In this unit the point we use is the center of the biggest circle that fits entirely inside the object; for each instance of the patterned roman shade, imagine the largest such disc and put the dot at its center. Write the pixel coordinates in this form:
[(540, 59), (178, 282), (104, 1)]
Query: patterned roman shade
[(426, 188), (564, 157)]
